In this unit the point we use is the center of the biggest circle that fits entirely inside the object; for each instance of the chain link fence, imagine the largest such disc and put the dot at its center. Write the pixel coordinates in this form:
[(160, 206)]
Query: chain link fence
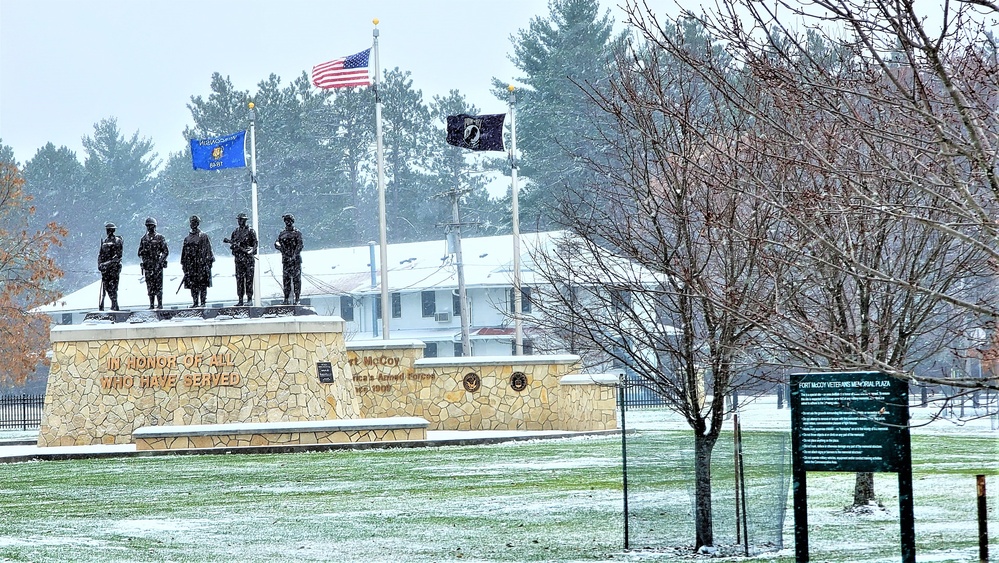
[(659, 490)]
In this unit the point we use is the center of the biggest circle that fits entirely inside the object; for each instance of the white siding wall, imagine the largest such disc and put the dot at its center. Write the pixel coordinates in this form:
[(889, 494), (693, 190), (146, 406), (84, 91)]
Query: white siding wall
[(488, 308)]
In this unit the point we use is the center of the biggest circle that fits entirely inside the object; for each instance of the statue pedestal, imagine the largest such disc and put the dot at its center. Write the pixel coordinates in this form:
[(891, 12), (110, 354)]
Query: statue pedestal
[(124, 370)]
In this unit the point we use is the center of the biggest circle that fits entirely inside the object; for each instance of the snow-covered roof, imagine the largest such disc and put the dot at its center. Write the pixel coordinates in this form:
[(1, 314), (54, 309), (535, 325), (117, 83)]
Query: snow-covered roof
[(412, 267)]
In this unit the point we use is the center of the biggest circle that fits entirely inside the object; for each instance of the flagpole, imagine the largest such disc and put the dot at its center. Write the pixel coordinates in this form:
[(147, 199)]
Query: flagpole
[(383, 246), (253, 200), (517, 305)]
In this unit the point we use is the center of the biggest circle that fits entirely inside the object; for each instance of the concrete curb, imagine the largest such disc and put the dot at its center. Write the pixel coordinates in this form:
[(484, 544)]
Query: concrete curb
[(127, 450)]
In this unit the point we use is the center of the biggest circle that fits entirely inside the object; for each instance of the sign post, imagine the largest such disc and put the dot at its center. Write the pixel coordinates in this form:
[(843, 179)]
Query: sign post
[(852, 422)]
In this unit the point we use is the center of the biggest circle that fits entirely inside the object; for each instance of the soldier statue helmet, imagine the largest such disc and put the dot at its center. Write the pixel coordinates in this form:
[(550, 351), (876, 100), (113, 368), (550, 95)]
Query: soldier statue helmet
[(150, 221), (109, 265), (243, 244), (196, 259), (290, 244)]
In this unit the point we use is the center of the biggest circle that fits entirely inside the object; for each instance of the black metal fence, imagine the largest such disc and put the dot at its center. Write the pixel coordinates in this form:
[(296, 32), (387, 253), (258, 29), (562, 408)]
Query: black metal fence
[(21, 412), (637, 394)]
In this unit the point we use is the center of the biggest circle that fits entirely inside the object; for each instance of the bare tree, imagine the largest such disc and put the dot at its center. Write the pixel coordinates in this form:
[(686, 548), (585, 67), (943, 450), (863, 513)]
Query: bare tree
[(834, 314), (880, 122), (668, 267), (885, 137)]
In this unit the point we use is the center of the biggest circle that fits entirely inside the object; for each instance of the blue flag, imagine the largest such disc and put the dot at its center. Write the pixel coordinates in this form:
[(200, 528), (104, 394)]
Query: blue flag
[(218, 153)]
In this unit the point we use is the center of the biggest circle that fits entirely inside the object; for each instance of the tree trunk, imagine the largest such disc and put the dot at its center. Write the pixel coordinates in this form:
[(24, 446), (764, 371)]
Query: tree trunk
[(702, 491), (863, 490)]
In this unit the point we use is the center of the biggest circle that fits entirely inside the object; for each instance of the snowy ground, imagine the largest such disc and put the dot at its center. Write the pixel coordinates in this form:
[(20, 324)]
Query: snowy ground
[(944, 486), (762, 414), (539, 500), (759, 413)]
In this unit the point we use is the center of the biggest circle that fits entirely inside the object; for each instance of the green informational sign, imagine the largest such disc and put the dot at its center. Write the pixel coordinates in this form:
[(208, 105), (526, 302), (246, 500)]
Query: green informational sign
[(856, 422)]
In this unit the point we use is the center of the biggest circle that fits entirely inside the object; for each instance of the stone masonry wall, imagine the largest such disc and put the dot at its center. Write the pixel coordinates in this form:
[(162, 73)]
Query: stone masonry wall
[(282, 439), (588, 403), (108, 380), (397, 381)]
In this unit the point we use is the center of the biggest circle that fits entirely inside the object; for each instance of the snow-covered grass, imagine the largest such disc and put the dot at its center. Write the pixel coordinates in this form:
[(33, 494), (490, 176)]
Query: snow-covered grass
[(544, 500)]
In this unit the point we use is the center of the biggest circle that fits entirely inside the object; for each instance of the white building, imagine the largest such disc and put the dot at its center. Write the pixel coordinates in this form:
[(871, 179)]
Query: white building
[(422, 279)]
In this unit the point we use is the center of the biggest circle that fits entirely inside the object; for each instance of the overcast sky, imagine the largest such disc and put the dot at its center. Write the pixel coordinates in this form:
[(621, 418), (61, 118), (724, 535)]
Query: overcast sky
[(66, 64)]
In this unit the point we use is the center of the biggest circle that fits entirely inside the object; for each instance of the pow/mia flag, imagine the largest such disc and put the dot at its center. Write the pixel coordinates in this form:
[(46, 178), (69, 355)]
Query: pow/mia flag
[(476, 132)]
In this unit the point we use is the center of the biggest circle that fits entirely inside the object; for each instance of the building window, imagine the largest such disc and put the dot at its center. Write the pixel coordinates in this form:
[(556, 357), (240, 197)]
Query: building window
[(430, 350), (67, 318), (525, 299), (396, 306), (429, 299), (346, 307), (458, 352), (621, 299), (527, 345), (377, 300), (455, 304)]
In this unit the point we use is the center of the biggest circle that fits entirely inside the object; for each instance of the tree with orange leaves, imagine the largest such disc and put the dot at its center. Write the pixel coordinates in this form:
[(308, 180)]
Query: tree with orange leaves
[(27, 276)]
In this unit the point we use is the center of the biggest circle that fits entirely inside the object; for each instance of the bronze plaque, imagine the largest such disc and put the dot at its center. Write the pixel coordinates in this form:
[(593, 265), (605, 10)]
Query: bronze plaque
[(518, 381), (471, 382), (325, 370)]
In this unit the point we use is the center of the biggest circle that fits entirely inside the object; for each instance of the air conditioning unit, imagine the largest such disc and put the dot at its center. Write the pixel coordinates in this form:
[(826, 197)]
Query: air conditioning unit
[(444, 317)]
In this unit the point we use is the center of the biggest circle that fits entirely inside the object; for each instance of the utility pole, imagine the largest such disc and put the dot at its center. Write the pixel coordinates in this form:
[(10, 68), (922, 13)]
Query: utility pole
[(455, 226)]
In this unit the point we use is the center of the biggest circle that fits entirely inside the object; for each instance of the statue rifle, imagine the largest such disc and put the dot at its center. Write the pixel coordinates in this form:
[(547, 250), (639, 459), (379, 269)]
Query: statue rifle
[(182, 280), (100, 302)]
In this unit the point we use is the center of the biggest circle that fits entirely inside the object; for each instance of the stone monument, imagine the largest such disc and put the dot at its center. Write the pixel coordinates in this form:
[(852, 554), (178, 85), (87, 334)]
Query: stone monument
[(194, 367)]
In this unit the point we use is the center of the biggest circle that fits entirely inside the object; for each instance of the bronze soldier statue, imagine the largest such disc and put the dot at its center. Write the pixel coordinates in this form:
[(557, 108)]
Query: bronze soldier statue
[(289, 242), (109, 265), (196, 257), (153, 253), (243, 244)]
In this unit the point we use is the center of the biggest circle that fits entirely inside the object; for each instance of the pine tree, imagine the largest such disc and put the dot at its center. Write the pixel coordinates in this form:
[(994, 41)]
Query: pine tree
[(55, 179), (562, 56), (411, 209)]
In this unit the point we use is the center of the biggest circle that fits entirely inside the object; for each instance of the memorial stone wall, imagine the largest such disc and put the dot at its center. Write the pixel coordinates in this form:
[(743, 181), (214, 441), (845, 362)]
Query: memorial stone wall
[(392, 378), (108, 380)]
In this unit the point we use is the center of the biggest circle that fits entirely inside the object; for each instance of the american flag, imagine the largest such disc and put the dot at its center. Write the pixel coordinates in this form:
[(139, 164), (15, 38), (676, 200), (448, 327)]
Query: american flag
[(343, 72)]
